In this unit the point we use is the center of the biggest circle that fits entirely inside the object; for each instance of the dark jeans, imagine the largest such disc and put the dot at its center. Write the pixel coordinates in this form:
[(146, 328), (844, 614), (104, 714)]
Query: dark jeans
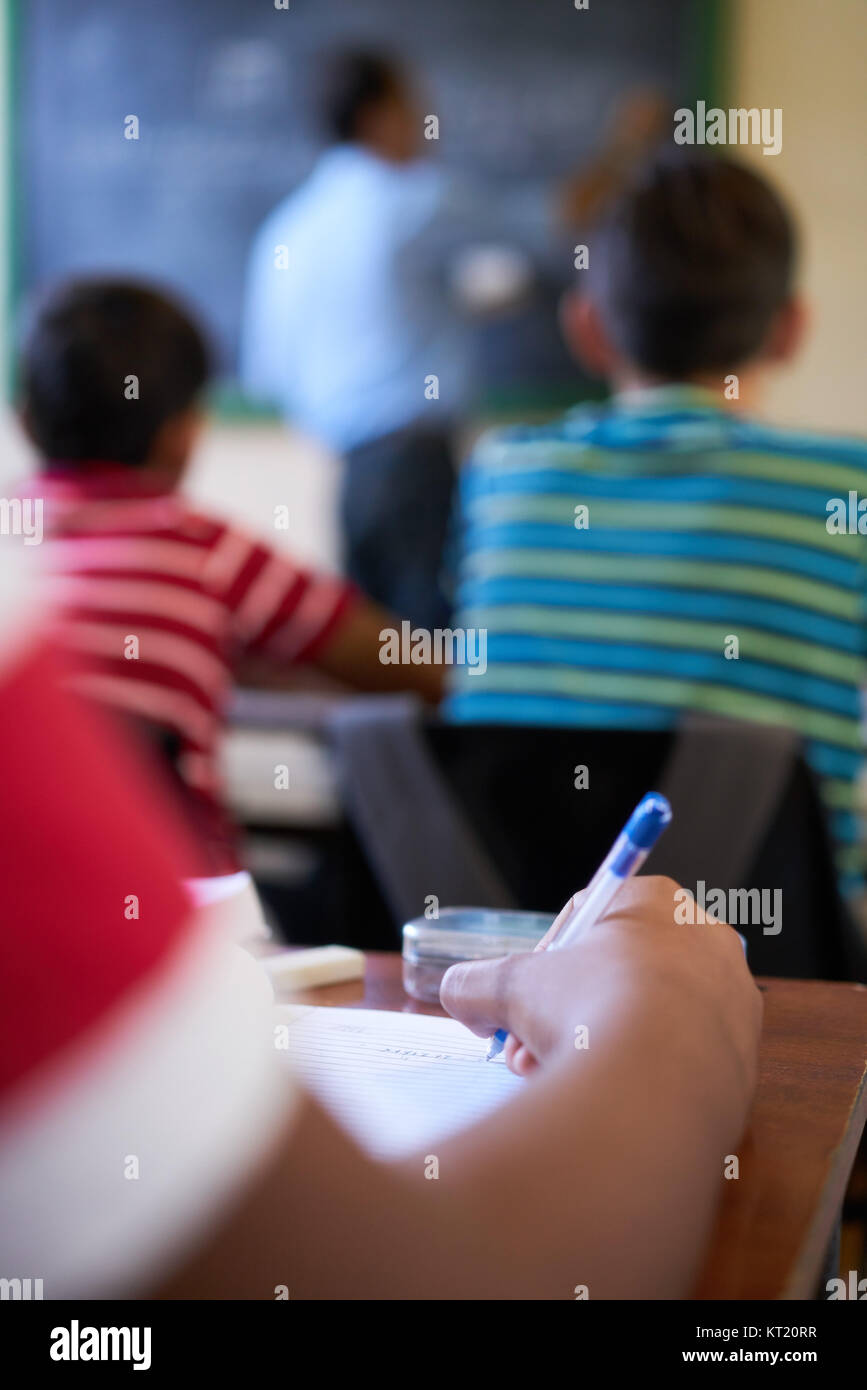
[(395, 509)]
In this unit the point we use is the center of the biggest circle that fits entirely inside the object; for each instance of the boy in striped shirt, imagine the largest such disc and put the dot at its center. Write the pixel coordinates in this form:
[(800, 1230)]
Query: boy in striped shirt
[(667, 553), (158, 602)]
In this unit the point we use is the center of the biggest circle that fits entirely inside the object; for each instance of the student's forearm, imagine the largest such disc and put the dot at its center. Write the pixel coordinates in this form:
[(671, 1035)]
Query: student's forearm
[(349, 661), (602, 1174), (605, 1173), (354, 655)]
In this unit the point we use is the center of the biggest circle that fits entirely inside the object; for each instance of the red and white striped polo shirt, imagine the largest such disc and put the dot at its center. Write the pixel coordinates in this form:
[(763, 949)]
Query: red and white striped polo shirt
[(158, 604), (139, 1085)]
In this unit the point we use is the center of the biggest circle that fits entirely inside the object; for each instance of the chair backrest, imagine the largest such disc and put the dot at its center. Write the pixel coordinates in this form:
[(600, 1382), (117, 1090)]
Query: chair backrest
[(545, 805), (546, 835)]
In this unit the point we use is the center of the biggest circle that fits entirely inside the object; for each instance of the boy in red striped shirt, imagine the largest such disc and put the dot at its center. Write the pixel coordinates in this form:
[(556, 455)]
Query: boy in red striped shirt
[(160, 603)]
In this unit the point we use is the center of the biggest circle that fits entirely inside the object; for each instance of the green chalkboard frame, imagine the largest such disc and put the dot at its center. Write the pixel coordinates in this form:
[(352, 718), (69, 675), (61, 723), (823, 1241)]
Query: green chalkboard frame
[(710, 43)]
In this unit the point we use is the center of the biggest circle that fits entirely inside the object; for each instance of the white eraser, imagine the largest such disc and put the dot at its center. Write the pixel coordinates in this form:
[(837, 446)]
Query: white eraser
[(321, 965)]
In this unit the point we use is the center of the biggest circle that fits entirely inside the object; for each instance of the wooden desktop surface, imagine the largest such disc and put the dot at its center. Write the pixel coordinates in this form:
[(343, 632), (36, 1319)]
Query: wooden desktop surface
[(776, 1220)]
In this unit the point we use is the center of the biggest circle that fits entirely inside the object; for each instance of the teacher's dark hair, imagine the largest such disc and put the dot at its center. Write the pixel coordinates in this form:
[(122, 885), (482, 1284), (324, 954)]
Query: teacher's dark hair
[(86, 340), (350, 81)]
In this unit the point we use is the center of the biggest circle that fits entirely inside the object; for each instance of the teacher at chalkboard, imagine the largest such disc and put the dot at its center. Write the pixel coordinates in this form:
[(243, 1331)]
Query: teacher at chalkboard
[(349, 325)]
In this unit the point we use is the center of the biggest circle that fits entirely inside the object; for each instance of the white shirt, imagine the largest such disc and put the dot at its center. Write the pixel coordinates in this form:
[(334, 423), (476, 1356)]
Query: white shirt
[(348, 313)]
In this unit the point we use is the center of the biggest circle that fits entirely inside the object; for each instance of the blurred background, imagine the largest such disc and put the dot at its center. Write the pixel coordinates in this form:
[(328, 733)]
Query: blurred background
[(220, 90)]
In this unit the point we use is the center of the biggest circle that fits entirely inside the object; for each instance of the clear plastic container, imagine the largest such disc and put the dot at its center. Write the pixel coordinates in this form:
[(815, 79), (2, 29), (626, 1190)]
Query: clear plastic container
[(432, 944)]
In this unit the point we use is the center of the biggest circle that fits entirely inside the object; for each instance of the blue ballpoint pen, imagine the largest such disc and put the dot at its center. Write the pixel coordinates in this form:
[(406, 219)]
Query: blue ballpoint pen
[(625, 858)]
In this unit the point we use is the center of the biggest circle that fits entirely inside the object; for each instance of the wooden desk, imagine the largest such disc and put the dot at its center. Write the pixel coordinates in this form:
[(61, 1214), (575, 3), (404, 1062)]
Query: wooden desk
[(776, 1220)]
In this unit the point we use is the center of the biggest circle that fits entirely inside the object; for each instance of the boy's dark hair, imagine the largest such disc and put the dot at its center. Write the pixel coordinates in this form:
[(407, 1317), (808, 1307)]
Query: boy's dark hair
[(690, 265), (349, 81), (87, 337)]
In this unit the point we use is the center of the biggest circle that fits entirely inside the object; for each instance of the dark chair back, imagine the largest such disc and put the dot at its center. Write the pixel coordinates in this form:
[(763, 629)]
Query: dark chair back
[(547, 837), (523, 791)]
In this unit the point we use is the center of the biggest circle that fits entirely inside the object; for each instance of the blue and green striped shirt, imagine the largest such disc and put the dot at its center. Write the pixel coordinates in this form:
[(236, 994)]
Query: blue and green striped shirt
[(701, 526)]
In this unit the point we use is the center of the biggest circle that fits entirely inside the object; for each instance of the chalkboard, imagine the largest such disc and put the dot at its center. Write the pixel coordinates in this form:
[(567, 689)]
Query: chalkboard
[(219, 87)]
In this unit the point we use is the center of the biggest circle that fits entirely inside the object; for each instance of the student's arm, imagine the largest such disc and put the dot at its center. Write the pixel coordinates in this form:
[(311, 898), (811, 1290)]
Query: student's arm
[(352, 655), (348, 659), (637, 125), (286, 616), (451, 211), (604, 1173)]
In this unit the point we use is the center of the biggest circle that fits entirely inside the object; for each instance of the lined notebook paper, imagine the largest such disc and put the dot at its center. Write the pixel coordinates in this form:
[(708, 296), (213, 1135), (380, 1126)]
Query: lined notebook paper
[(397, 1082)]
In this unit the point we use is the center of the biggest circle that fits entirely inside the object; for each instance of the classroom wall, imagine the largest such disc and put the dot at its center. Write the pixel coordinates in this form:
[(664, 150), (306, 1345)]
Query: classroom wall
[(808, 59)]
